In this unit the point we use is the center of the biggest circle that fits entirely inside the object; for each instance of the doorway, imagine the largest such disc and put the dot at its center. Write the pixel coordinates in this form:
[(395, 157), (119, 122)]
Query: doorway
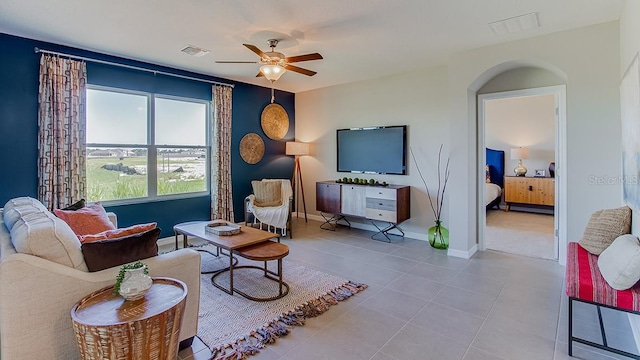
[(527, 124)]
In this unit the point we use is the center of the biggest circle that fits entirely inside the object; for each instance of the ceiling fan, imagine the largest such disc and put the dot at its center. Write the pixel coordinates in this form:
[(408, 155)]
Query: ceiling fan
[(274, 63)]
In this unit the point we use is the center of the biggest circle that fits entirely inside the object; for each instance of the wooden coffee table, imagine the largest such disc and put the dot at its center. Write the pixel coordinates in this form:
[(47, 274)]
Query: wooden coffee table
[(247, 237)]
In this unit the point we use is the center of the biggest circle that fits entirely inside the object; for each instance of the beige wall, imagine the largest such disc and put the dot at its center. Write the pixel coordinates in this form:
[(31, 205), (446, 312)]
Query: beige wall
[(439, 106), (416, 99), (527, 122), (588, 58)]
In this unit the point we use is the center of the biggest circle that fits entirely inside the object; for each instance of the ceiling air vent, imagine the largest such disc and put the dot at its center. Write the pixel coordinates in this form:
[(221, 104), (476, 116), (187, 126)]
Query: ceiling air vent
[(515, 24), (195, 51)]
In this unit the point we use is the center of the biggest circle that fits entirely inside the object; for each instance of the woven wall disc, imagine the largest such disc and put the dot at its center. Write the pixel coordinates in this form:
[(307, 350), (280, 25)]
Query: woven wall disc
[(275, 121), (251, 148)]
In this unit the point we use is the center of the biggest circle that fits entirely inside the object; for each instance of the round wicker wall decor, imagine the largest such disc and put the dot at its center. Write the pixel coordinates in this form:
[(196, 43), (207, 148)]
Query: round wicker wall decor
[(275, 121), (251, 148)]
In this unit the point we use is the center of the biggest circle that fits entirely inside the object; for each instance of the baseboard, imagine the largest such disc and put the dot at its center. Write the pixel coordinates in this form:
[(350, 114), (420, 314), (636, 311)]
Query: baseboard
[(369, 227), (463, 254)]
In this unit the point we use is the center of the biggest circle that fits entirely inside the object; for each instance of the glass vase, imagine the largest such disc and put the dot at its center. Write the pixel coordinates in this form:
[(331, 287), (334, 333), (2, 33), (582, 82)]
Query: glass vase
[(439, 236), (135, 284)]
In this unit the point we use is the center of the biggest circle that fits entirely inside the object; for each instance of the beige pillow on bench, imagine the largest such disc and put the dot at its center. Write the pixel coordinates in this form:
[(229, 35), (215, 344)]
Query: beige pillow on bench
[(619, 264), (267, 193), (604, 227)]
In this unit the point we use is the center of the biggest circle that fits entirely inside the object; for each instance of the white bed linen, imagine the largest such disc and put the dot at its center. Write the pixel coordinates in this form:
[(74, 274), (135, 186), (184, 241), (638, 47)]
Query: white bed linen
[(491, 192)]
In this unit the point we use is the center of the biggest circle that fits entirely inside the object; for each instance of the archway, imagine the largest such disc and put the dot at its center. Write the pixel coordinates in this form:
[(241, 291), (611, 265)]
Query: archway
[(518, 80)]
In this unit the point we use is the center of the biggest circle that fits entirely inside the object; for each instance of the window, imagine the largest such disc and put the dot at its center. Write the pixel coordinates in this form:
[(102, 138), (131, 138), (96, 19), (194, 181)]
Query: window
[(145, 146)]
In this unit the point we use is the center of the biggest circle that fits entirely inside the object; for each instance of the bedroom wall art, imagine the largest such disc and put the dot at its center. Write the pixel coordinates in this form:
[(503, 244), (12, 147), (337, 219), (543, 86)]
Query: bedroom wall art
[(630, 113)]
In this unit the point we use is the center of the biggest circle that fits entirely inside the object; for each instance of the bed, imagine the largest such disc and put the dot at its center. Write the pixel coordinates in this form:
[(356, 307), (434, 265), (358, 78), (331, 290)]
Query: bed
[(494, 179)]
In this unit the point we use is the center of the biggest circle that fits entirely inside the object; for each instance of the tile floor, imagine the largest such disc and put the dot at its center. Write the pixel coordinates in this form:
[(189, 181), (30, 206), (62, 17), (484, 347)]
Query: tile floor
[(421, 304)]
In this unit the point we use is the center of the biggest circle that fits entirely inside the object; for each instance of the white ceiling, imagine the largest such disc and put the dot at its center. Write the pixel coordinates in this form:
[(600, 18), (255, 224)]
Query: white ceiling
[(359, 39)]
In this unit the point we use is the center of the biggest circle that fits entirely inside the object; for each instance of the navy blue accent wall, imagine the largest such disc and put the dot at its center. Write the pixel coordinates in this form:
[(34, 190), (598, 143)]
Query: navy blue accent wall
[(19, 66)]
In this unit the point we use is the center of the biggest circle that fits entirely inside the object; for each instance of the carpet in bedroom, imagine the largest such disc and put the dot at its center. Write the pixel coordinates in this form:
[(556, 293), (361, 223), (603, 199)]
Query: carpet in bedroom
[(520, 233), (234, 327)]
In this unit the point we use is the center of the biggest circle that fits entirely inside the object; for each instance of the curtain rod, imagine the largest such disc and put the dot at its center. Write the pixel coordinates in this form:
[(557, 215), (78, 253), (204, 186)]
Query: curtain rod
[(37, 50)]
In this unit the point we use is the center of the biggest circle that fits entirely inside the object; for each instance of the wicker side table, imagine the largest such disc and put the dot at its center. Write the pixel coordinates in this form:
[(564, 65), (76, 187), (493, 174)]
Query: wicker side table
[(108, 327)]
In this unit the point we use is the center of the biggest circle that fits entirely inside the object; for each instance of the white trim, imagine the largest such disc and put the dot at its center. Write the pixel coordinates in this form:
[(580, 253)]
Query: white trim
[(463, 254), (560, 208)]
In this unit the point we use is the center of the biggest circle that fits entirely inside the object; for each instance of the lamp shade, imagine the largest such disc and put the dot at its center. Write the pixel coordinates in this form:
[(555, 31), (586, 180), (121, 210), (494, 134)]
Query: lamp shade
[(519, 153), (272, 72), (297, 148)]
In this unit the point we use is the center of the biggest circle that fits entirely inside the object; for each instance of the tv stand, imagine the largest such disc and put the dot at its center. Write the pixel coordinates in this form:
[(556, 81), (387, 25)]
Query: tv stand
[(333, 220), (388, 205)]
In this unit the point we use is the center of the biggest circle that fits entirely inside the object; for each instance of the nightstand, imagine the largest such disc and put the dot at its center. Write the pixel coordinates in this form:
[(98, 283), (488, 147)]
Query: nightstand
[(529, 190)]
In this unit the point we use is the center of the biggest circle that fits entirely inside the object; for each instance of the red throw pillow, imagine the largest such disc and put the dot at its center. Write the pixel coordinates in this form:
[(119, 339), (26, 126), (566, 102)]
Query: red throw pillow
[(91, 219), (117, 233)]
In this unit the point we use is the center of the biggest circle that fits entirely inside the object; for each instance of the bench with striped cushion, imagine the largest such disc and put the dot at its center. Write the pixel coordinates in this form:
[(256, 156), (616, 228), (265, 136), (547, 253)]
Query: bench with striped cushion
[(584, 283)]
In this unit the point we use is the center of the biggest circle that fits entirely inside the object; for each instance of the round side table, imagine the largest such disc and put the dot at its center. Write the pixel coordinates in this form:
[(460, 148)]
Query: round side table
[(109, 327)]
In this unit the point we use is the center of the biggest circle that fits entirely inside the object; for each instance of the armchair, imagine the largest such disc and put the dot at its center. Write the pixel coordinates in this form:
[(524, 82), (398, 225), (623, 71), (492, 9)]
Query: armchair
[(270, 204)]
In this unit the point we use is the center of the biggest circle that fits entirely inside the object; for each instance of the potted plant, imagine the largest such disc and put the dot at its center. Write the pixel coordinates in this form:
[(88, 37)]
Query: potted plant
[(438, 235), (133, 281)]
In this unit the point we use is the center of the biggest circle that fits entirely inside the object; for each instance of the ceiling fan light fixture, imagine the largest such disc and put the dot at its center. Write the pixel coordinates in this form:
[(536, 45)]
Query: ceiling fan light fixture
[(272, 72)]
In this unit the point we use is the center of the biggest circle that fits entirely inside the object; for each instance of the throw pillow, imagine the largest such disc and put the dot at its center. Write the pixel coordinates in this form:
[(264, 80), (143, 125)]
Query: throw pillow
[(44, 235), (619, 264), (76, 205), (117, 233), (267, 193), (604, 227), (91, 219), (104, 254), (488, 174)]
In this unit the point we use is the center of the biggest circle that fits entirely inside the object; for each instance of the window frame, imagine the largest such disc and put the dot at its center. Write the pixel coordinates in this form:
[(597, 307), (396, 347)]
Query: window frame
[(152, 148)]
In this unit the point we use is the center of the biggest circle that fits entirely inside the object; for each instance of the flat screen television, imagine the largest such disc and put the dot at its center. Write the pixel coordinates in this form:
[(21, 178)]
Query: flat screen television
[(373, 150)]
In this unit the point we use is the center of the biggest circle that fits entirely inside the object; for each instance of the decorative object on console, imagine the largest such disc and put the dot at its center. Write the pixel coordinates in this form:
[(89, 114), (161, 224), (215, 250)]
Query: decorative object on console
[(133, 281), (298, 149), (519, 154), (438, 235), (251, 148), (552, 169), (540, 173), (274, 121)]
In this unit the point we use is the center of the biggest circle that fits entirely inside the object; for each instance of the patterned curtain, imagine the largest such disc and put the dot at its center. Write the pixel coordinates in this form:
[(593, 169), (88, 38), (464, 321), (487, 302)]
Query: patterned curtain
[(61, 131), (221, 194)]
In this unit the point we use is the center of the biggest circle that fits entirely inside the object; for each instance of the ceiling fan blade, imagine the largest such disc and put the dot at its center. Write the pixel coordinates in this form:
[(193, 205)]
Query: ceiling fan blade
[(260, 74), (299, 70), (306, 57), (236, 62), (255, 50)]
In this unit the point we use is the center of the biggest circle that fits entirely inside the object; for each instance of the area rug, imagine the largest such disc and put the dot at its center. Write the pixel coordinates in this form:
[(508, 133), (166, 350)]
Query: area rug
[(234, 327)]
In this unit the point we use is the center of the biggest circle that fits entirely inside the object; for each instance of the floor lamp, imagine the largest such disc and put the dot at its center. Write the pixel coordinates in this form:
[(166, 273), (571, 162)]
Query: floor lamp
[(298, 149)]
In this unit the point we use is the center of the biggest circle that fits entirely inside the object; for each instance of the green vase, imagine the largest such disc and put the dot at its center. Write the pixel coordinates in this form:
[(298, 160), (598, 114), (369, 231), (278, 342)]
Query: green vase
[(439, 236)]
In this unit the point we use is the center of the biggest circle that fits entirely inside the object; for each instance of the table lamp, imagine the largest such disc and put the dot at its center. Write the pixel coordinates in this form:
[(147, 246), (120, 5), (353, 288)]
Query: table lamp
[(519, 154)]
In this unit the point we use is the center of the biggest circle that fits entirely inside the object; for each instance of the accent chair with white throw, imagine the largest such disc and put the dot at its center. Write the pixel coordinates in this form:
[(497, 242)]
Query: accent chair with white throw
[(270, 205)]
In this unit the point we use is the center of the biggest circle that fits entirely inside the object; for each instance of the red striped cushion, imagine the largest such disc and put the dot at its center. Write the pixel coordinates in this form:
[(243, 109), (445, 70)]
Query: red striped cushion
[(585, 282)]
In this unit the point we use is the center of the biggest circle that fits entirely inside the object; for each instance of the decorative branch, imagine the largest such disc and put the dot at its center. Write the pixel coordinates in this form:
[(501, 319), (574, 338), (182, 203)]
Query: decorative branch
[(423, 181), (442, 183)]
